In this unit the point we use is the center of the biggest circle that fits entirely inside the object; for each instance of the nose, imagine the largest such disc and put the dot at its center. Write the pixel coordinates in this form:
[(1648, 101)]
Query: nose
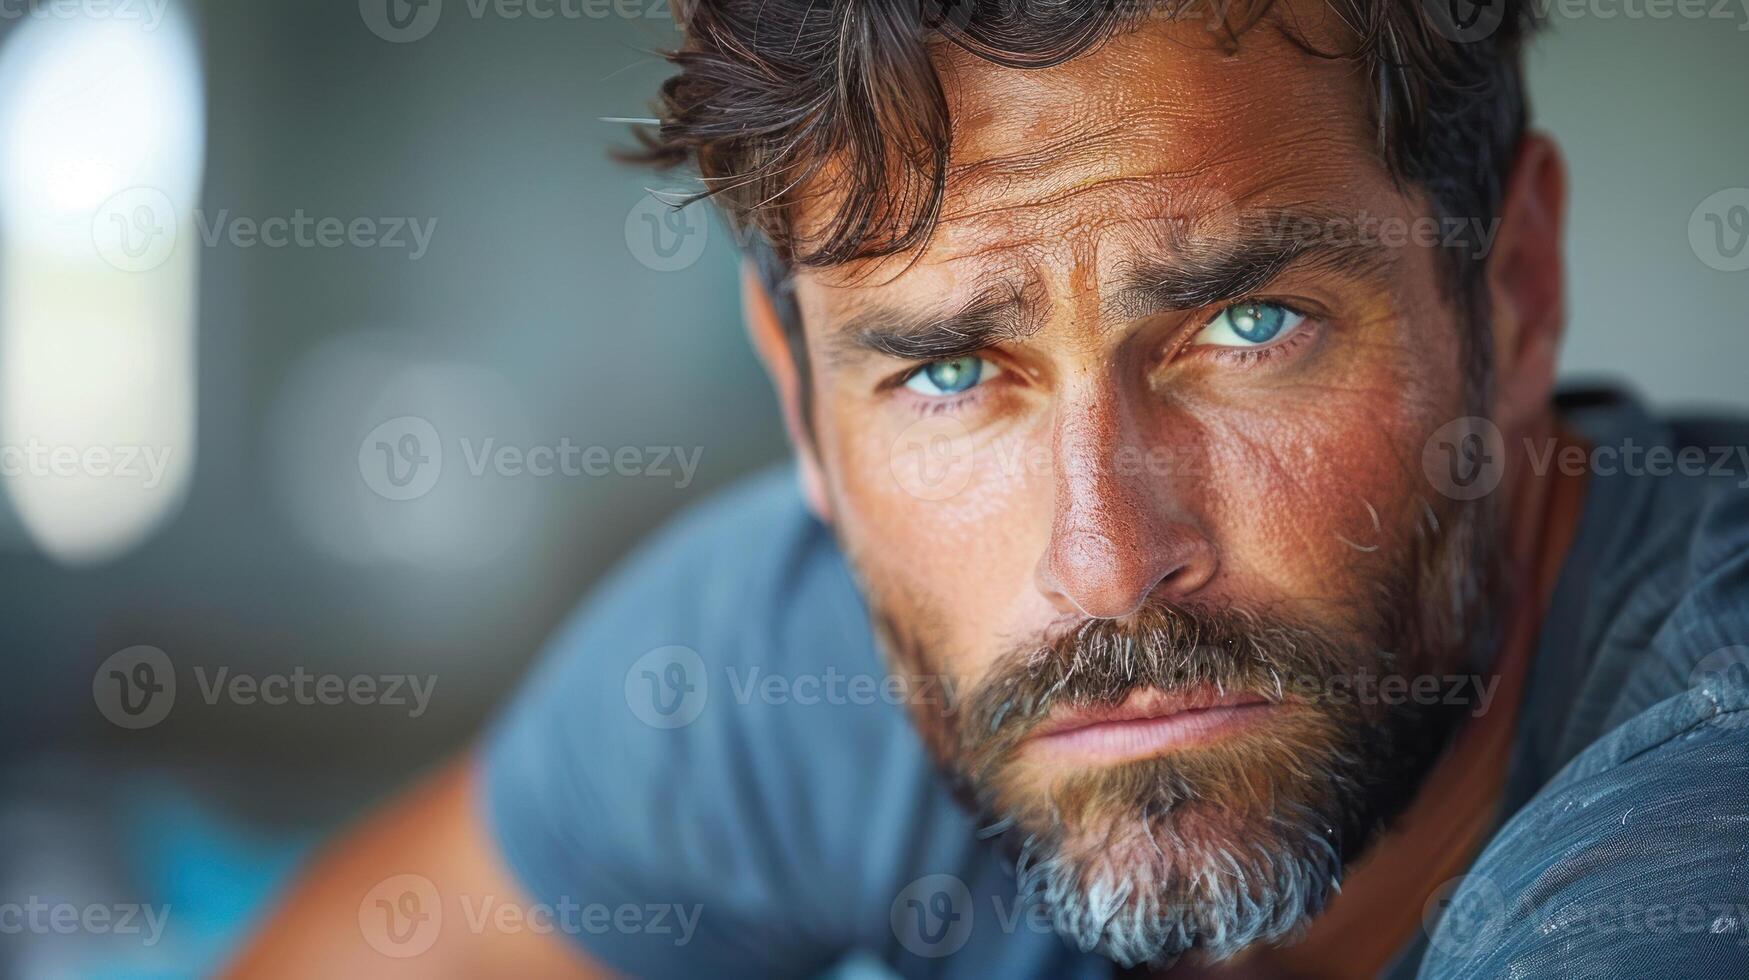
[(1119, 531)]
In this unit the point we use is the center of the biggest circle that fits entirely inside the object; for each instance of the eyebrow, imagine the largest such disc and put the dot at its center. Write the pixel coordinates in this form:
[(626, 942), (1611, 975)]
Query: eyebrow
[(1192, 273), (998, 314), (1207, 271)]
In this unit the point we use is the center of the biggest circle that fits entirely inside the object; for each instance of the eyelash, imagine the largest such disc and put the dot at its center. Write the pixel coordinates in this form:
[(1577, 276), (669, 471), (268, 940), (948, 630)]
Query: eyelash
[(1250, 356), (934, 406)]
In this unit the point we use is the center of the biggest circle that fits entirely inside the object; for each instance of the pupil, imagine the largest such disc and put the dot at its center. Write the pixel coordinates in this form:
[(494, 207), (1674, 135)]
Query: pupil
[(955, 375), (1258, 322)]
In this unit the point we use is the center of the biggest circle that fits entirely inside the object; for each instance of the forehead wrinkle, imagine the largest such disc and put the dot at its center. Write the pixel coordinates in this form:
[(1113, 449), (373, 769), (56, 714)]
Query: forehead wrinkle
[(1080, 142), (1115, 182)]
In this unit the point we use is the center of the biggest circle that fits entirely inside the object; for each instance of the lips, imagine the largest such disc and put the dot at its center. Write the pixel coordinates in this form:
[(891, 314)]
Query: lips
[(1149, 722)]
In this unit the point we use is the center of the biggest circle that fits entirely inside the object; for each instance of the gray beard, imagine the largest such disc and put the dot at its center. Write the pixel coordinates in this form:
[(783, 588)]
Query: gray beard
[(1166, 861), (1220, 901)]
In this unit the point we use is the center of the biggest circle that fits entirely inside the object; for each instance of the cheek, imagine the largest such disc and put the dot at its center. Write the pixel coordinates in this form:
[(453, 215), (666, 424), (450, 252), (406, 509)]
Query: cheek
[(944, 525), (1295, 514), (1316, 490)]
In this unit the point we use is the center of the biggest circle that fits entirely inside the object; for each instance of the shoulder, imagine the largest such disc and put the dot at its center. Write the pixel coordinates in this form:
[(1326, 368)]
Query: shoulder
[(1655, 593), (1633, 862), (1626, 855), (714, 732), (643, 763)]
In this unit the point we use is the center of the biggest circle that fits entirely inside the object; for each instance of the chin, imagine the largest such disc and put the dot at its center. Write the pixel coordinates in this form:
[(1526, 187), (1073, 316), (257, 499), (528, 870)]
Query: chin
[(1148, 890), (1205, 851)]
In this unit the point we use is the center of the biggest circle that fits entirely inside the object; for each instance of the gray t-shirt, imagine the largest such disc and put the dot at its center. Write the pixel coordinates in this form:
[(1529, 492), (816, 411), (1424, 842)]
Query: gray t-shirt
[(711, 774)]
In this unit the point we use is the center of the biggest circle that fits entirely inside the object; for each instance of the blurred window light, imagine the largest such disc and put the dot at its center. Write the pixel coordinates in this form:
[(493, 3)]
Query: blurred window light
[(102, 134)]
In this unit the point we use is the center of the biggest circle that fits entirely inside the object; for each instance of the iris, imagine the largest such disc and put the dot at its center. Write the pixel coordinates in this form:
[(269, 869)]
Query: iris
[(949, 377)]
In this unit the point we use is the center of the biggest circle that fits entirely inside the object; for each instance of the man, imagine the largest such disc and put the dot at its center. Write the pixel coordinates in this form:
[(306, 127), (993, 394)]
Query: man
[(1192, 569)]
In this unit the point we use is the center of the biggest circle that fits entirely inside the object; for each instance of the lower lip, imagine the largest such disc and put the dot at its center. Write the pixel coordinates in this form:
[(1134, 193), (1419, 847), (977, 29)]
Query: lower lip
[(1116, 741)]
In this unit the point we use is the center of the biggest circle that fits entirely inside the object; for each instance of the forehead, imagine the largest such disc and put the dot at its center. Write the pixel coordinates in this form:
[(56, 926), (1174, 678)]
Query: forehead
[(1066, 171)]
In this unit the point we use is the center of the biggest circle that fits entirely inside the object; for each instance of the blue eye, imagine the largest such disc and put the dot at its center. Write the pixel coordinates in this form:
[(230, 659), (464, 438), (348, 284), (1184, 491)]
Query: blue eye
[(1249, 324), (938, 379)]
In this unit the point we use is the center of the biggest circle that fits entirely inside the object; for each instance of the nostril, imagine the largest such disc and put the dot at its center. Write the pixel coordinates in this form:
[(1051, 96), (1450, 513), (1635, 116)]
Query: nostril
[(1102, 576)]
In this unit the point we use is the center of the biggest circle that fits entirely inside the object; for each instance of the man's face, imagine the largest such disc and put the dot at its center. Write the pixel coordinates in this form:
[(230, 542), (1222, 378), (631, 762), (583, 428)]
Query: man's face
[(1131, 452)]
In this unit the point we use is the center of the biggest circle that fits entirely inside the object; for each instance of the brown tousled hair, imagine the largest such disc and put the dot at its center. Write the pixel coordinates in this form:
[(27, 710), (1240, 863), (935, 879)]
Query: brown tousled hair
[(771, 93)]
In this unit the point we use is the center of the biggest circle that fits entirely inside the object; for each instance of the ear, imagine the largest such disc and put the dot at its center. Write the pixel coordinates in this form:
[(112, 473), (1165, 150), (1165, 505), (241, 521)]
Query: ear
[(772, 345), (1526, 285)]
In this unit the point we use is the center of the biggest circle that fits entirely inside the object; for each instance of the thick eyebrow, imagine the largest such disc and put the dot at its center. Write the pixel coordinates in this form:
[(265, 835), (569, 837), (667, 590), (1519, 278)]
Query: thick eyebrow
[(1194, 272), (1209, 270), (998, 315)]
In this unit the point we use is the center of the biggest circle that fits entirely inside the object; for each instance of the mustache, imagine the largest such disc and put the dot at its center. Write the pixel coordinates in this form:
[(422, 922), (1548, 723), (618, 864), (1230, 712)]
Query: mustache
[(1166, 647)]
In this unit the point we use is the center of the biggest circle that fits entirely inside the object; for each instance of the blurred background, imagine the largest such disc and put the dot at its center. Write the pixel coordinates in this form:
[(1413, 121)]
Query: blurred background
[(298, 303)]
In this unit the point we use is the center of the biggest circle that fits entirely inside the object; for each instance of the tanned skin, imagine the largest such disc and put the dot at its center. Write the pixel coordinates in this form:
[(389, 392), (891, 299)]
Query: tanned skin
[(1064, 180)]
